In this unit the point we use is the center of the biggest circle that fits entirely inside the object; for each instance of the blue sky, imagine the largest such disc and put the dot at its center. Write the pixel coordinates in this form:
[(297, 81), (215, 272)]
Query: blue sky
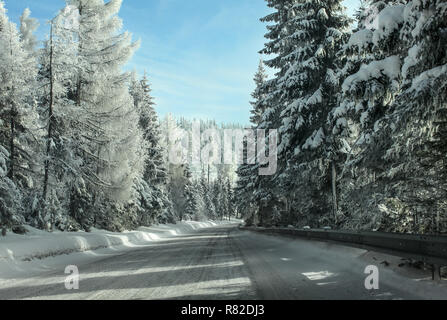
[(200, 54)]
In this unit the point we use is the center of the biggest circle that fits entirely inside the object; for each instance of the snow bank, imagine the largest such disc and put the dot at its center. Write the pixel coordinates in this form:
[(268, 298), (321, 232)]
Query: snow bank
[(39, 244)]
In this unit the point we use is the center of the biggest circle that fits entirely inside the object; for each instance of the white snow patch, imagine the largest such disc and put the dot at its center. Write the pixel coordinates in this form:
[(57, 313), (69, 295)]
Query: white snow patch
[(389, 67), (18, 251), (321, 275), (411, 60), (387, 21), (426, 79), (361, 38)]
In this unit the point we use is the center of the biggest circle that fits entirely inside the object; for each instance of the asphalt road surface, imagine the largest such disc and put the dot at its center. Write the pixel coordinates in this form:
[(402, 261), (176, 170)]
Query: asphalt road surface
[(220, 263)]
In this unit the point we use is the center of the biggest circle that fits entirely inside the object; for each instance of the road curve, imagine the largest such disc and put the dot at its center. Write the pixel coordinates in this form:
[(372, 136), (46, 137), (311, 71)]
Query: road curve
[(219, 263)]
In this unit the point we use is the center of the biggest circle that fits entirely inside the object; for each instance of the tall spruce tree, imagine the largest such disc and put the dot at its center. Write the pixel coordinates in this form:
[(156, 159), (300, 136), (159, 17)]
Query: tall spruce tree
[(258, 106), (57, 78), (20, 126), (415, 160), (110, 149), (305, 39), (155, 174), (371, 82)]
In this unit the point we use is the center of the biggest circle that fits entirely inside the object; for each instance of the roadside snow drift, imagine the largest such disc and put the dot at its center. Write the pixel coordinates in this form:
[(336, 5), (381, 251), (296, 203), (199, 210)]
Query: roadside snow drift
[(37, 244)]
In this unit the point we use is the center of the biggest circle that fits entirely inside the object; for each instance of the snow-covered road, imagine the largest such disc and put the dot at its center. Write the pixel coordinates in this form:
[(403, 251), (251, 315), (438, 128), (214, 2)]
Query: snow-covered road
[(223, 263)]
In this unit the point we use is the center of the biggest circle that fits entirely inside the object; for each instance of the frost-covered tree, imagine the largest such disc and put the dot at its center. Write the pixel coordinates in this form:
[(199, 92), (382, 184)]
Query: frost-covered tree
[(305, 39), (209, 206), (57, 79), (258, 106), (231, 208), (190, 205), (155, 174), (219, 197), (110, 141), (371, 81), (10, 196), (155, 170), (178, 174), (247, 172), (19, 130), (390, 121), (244, 189), (415, 171)]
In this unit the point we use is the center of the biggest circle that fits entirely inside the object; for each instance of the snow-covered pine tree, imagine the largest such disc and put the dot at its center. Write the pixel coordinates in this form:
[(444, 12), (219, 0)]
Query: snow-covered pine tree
[(418, 124), (57, 75), (155, 174), (210, 209), (191, 202), (371, 80), (218, 197), (247, 173), (254, 193), (10, 195), (19, 130), (171, 134), (280, 46), (258, 106), (231, 208), (306, 37), (112, 157), (223, 202), (244, 190), (199, 193)]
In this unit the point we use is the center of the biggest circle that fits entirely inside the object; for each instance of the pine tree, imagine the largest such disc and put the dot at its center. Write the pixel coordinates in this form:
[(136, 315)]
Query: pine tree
[(371, 82), (218, 194), (210, 209), (177, 173), (110, 142), (57, 74), (305, 38), (247, 172), (258, 106), (155, 174), (155, 171), (418, 121), (230, 196), (19, 130), (191, 205), (10, 196)]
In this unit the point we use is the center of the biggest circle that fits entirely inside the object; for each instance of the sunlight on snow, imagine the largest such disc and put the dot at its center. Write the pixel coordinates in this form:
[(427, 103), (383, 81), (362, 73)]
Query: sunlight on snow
[(326, 283), (318, 275), (121, 273)]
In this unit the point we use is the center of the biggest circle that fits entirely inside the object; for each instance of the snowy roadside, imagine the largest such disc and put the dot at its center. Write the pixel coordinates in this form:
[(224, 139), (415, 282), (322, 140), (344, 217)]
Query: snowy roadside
[(394, 270), (23, 253)]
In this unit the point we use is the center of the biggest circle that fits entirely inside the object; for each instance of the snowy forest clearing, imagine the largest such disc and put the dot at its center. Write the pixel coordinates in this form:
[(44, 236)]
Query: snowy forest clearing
[(19, 253)]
